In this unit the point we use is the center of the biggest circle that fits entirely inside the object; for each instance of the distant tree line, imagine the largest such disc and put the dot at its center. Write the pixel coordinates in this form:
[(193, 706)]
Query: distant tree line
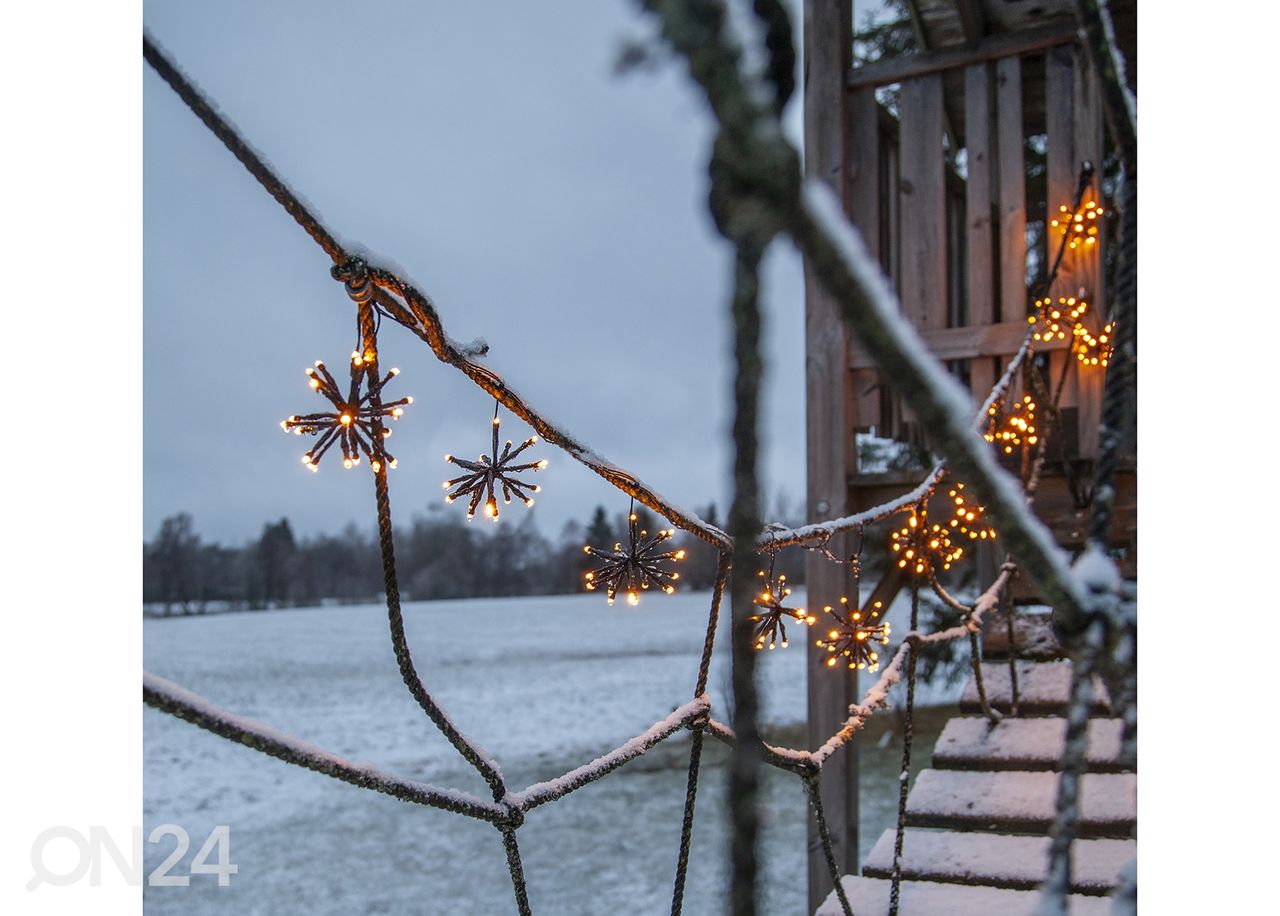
[(439, 555)]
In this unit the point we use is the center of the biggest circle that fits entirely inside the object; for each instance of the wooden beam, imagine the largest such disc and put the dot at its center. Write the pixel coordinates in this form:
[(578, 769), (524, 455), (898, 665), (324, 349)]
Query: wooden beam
[(966, 343), (1012, 192), (923, 191), (1015, 44), (972, 21), (830, 453)]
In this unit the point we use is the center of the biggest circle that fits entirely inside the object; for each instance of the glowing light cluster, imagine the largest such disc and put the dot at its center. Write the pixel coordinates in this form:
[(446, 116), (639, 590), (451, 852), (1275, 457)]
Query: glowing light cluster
[(967, 518), (1057, 317), (1080, 229), (489, 472), (639, 566), (1013, 427), (769, 623), (855, 636), (1091, 349), (356, 420), (921, 546)]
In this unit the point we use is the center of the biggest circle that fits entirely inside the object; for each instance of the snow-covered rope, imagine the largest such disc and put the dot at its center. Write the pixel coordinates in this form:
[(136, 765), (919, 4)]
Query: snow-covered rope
[(164, 695)]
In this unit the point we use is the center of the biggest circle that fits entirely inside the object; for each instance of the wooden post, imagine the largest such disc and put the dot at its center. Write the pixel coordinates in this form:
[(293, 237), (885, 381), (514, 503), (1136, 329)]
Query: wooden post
[(828, 43), (979, 208)]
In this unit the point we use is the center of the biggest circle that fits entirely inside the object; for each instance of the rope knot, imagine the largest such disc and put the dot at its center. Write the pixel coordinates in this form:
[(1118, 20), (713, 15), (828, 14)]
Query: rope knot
[(354, 274)]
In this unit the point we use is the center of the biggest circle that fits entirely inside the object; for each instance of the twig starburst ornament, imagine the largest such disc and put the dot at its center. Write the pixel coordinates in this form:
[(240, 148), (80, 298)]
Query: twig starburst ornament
[(770, 622), (356, 420), (967, 519), (1091, 349), (490, 472), (855, 636), (1056, 318), (1080, 228), (923, 547), (639, 566), (1013, 427)]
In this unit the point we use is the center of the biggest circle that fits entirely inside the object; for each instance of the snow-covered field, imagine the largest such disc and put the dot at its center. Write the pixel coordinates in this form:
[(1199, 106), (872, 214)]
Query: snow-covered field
[(543, 683)]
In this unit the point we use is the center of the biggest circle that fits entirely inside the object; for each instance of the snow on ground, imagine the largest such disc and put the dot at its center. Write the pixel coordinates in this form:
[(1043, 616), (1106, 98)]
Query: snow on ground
[(545, 684)]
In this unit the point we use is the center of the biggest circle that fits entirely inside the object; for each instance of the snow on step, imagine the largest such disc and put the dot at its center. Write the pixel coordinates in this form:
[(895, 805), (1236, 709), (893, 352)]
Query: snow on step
[(1022, 744), (1018, 862), (1043, 689), (1019, 801), (870, 897)]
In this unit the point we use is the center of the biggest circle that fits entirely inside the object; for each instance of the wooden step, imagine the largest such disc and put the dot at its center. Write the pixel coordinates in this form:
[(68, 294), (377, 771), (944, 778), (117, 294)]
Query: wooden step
[(1032, 635), (1043, 689), (974, 743), (870, 897), (1018, 801), (996, 860)]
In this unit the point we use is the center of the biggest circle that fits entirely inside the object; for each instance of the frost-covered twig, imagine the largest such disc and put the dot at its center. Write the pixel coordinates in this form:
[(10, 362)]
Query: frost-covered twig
[(543, 792), (167, 696)]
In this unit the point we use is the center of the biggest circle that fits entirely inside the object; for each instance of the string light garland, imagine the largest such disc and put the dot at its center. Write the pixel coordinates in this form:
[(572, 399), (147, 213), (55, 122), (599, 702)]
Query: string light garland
[(1081, 227), (770, 623), (639, 566), (856, 636), (1013, 427), (1093, 350), (922, 546), (488, 472), (352, 422), (1059, 317)]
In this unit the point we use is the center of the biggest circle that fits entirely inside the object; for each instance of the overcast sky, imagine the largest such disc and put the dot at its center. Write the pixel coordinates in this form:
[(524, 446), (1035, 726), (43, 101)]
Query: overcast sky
[(546, 204)]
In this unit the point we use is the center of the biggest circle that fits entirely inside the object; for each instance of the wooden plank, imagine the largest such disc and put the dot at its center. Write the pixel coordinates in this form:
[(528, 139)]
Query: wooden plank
[(1012, 192), (966, 343), (870, 897), (979, 200), (975, 743), (1018, 44), (1061, 173), (1020, 802), (1013, 862), (1043, 689), (923, 189), (830, 453)]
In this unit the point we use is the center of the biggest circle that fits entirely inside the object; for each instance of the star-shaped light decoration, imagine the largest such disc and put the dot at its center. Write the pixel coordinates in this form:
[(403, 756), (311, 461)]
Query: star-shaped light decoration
[(855, 636), (1013, 427), (354, 418), (489, 472), (967, 520), (769, 623), (1056, 318), (922, 546), (637, 567), (1093, 350)]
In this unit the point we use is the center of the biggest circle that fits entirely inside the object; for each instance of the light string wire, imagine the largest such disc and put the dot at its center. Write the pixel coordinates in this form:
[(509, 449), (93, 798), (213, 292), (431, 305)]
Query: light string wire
[(407, 306)]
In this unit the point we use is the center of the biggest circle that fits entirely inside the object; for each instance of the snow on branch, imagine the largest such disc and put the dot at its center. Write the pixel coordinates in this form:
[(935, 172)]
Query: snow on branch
[(167, 696), (543, 792)]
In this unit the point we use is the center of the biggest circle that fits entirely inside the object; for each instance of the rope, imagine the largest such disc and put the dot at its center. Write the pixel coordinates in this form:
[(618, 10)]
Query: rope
[(744, 521), (359, 289), (905, 773), (222, 129), (699, 732), (813, 786), (516, 869)]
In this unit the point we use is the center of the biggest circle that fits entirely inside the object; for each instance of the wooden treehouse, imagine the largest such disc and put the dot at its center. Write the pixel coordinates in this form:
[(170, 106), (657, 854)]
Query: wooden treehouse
[(953, 160)]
